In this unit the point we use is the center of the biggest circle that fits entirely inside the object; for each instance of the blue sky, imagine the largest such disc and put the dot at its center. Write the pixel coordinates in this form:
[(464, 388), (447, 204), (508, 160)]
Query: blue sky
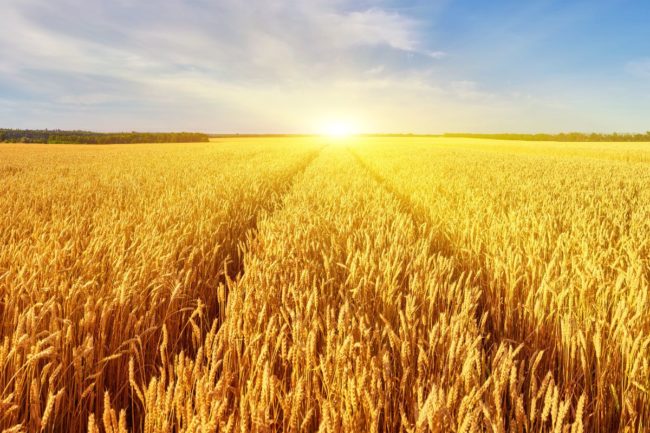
[(296, 65)]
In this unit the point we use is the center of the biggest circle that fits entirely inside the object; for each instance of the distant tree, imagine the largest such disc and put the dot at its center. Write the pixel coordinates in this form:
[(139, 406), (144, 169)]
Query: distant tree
[(562, 137), (85, 137)]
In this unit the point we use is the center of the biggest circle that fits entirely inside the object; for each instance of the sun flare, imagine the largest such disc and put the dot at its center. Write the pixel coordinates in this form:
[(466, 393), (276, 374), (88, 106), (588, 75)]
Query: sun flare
[(339, 129)]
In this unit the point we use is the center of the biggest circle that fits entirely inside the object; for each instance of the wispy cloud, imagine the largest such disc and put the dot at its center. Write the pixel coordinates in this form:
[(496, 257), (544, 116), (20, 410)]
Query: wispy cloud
[(97, 52), (229, 39), (274, 65)]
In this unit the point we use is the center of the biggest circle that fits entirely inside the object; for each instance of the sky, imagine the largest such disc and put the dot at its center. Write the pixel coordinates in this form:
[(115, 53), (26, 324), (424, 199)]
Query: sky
[(294, 66)]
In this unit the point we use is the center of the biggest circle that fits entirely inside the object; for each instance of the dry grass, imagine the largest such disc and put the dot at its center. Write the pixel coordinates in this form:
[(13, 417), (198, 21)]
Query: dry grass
[(466, 288)]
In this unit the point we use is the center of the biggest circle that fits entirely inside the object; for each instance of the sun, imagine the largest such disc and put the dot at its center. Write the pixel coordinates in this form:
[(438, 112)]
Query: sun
[(339, 129)]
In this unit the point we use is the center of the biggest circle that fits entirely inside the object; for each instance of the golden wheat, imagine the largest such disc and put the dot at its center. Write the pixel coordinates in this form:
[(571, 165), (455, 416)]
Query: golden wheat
[(388, 285)]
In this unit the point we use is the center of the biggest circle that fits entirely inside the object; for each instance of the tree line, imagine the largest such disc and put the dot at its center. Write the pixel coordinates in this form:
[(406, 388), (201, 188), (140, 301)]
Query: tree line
[(86, 137), (567, 136)]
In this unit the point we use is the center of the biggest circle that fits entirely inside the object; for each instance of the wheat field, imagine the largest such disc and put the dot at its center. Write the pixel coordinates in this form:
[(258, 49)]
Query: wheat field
[(335, 285)]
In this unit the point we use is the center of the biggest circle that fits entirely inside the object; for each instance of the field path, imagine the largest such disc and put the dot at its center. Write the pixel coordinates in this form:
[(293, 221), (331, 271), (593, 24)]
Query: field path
[(439, 244), (537, 233), (341, 298)]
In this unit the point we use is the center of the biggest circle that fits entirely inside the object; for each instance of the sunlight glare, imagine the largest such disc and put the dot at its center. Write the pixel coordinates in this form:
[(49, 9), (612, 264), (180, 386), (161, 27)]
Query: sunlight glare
[(338, 129)]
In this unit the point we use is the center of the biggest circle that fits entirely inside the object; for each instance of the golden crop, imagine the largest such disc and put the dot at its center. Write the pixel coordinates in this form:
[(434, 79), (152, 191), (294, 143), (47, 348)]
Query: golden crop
[(385, 284)]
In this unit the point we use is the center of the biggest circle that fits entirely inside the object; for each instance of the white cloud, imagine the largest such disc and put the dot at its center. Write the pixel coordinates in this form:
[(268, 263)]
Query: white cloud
[(260, 65), (437, 54), (375, 26), (232, 39), (227, 54)]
